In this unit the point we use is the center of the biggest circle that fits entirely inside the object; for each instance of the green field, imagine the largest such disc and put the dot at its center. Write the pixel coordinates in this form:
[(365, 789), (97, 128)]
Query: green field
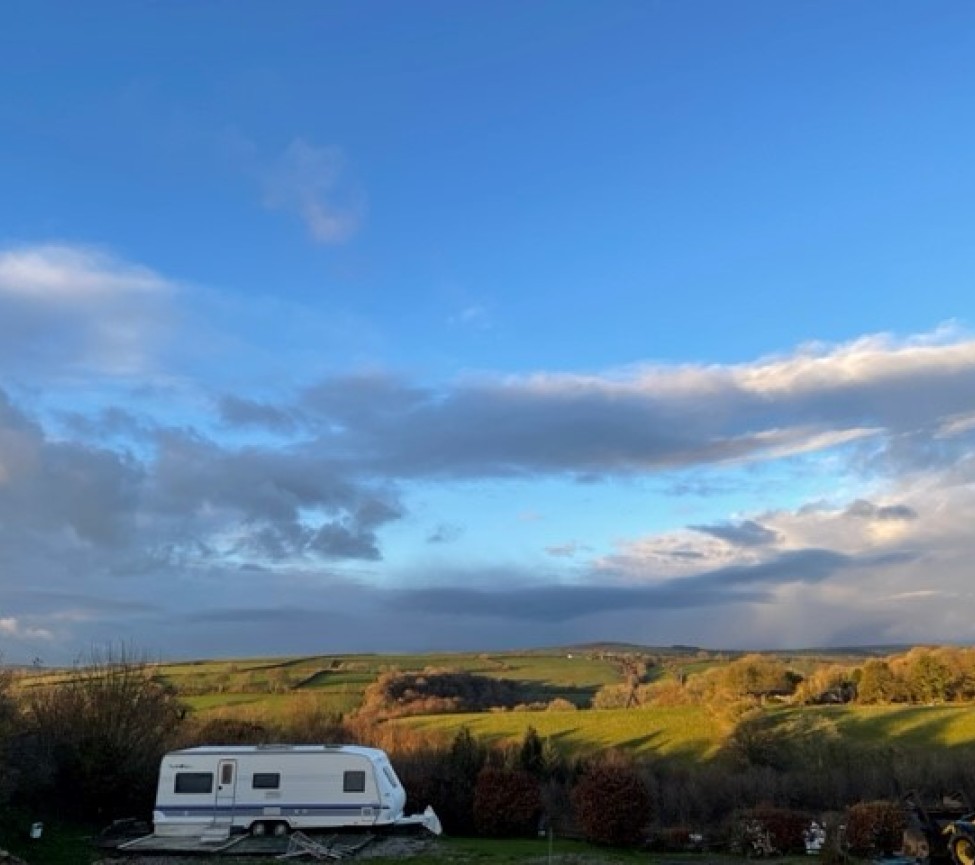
[(338, 682), (271, 688), (684, 731), (259, 689), (928, 726), (690, 732)]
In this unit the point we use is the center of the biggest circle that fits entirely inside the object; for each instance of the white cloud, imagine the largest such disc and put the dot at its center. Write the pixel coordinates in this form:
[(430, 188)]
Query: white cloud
[(311, 182), (73, 275), (69, 309), (475, 316), (13, 628), (900, 572)]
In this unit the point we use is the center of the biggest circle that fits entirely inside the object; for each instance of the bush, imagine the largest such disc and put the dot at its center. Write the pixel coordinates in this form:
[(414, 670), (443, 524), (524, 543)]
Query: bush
[(875, 827), (611, 804), (106, 730), (310, 721), (8, 776), (614, 697), (445, 779), (769, 829), (433, 692), (506, 803), (224, 731), (676, 839)]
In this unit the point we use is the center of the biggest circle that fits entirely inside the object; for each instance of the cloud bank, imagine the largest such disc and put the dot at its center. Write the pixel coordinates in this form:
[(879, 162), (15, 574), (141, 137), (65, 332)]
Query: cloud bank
[(302, 513)]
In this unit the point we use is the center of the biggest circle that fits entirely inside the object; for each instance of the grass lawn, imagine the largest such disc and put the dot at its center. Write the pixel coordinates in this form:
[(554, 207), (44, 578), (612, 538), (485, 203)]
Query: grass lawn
[(562, 851), (59, 844), (66, 845)]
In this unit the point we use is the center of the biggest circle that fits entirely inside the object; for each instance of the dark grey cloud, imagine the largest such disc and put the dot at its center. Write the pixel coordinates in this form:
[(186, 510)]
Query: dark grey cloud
[(864, 509), (746, 533), (37, 601), (266, 616), (662, 419), (554, 602), (285, 502), (112, 423), (365, 401), (484, 429), (61, 489), (355, 538), (241, 412), (177, 497)]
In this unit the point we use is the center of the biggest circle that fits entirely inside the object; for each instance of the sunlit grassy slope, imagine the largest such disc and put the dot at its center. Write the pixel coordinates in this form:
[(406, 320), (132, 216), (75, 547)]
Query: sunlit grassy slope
[(950, 726), (684, 731), (692, 731)]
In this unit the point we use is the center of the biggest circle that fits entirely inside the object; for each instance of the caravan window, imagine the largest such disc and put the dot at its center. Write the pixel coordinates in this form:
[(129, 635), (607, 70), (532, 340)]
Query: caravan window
[(354, 782), (193, 782), (266, 781), (390, 776)]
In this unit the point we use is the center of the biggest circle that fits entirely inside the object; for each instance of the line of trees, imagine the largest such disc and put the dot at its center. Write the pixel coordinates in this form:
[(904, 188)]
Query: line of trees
[(397, 694), (921, 676)]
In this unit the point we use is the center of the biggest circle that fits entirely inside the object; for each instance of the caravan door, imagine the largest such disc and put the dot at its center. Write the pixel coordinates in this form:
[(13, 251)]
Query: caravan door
[(226, 788)]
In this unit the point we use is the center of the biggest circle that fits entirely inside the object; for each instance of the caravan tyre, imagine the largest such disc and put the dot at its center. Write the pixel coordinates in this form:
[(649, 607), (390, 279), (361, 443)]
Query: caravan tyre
[(279, 830), (258, 829)]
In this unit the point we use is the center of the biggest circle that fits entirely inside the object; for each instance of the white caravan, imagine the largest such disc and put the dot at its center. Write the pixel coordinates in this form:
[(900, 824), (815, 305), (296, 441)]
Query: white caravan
[(217, 789)]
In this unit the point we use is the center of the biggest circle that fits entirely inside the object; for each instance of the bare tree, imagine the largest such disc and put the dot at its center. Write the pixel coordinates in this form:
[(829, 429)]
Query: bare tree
[(105, 728)]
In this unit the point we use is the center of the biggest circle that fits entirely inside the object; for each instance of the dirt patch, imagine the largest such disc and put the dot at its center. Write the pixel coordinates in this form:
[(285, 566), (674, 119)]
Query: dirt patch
[(399, 847)]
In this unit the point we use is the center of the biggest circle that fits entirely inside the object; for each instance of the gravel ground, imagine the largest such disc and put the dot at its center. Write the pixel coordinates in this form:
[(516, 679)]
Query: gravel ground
[(393, 847)]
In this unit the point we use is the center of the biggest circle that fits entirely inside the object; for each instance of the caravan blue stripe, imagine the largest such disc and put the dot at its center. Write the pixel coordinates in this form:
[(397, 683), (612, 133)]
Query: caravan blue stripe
[(284, 809)]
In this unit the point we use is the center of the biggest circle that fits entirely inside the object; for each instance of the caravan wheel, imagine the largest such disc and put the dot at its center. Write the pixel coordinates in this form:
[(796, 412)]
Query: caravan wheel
[(279, 830), (258, 829)]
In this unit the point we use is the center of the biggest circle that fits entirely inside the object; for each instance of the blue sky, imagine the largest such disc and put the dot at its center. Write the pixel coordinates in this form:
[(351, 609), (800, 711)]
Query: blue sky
[(374, 326)]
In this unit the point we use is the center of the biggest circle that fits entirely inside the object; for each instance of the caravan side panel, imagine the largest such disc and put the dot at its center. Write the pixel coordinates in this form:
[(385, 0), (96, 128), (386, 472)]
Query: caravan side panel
[(186, 795), (305, 787)]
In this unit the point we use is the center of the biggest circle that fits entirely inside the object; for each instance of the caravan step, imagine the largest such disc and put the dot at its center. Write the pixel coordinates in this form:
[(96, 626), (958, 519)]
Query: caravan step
[(216, 834)]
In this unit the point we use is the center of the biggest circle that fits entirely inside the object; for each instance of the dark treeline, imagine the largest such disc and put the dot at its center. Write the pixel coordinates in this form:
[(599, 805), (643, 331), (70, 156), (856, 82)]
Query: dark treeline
[(88, 747)]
